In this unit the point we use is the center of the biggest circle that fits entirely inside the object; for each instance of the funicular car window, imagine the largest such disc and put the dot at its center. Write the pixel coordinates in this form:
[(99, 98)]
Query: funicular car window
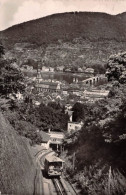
[(55, 164)]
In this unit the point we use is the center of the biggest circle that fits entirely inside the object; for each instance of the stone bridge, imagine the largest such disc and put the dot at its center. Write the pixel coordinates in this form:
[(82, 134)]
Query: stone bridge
[(94, 80)]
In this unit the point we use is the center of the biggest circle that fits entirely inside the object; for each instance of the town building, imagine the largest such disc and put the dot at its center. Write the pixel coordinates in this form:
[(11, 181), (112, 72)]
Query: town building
[(48, 86), (89, 70), (39, 76), (45, 69), (74, 126), (60, 68), (67, 70), (27, 67), (52, 139), (94, 95), (56, 139), (65, 92), (51, 69)]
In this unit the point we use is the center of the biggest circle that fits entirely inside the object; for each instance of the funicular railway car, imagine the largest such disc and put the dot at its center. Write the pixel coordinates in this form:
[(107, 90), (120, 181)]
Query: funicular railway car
[(53, 166)]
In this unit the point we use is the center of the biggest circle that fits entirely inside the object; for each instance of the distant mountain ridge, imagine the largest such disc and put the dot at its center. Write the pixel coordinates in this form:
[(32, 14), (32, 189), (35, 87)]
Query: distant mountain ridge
[(89, 34), (90, 25)]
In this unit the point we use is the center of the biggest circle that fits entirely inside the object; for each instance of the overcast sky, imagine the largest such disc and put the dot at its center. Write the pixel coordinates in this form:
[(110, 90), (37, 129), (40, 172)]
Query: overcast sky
[(17, 11)]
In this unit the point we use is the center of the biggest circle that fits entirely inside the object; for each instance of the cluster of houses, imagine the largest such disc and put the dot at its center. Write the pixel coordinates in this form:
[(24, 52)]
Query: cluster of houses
[(59, 69), (76, 91), (63, 69), (52, 91), (51, 69), (48, 86), (55, 139), (52, 139), (68, 95)]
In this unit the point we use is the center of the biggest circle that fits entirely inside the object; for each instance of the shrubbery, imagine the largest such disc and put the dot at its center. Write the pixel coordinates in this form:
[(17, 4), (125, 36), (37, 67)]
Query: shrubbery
[(100, 146), (116, 67)]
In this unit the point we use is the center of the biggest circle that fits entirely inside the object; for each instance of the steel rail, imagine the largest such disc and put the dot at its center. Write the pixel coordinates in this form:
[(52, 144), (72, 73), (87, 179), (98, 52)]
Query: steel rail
[(40, 152), (66, 178), (59, 186)]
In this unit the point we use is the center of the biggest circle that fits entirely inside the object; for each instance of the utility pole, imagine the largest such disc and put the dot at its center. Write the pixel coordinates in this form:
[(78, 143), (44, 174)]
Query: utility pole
[(109, 180)]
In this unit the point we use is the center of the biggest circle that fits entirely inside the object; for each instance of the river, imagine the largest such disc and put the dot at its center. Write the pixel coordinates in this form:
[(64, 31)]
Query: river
[(68, 77)]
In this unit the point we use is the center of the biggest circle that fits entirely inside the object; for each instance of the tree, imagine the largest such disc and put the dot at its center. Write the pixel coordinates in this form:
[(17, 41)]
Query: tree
[(116, 67), (78, 112), (54, 105), (11, 78), (1, 50)]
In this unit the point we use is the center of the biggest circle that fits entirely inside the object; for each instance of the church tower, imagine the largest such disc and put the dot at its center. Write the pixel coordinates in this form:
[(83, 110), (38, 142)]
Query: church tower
[(70, 114), (38, 77)]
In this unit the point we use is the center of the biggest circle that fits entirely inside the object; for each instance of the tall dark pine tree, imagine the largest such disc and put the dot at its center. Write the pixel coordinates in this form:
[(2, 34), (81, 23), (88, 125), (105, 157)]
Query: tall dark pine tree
[(78, 112)]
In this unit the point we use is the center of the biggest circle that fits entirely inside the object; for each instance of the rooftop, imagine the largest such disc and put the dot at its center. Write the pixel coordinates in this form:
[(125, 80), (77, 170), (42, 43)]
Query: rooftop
[(78, 123), (47, 83), (45, 136), (56, 132), (53, 159)]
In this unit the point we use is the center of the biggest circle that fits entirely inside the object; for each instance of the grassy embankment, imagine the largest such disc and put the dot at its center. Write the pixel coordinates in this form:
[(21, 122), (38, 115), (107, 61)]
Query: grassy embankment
[(18, 172)]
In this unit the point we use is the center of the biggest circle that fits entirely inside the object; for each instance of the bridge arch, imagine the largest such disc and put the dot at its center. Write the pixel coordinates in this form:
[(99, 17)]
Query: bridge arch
[(91, 81)]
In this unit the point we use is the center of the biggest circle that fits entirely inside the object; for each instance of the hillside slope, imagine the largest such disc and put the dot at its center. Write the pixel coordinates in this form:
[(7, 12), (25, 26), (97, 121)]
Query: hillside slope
[(67, 39), (99, 148), (68, 26), (17, 169)]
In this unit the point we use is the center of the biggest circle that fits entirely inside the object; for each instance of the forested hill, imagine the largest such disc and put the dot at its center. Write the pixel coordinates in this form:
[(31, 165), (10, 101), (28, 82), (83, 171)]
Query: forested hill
[(122, 16), (91, 32), (67, 26)]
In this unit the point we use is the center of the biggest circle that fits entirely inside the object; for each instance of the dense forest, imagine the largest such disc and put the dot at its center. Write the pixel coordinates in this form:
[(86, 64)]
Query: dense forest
[(99, 148)]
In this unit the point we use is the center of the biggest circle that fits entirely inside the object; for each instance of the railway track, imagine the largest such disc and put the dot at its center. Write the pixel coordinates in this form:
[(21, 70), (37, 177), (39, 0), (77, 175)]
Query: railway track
[(62, 185), (40, 157), (60, 189), (71, 185), (40, 152)]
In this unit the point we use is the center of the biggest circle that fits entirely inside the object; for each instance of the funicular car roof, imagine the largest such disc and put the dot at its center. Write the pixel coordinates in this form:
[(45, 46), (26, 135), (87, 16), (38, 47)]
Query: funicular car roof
[(50, 158)]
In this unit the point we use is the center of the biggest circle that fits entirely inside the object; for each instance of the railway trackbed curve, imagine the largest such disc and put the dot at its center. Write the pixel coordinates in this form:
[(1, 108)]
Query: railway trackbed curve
[(55, 185)]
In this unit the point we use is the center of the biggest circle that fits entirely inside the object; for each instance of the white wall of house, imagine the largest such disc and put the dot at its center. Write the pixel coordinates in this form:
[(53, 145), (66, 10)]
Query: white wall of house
[(56, 138), (65, 92), (58, 87), (46, 145), (51, 69), (74, 126), (45, 69)]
